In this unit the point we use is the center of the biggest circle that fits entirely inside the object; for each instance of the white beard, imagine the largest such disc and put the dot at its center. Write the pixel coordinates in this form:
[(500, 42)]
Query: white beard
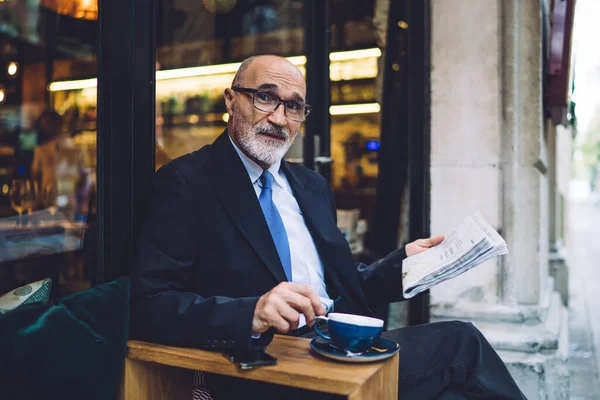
[(267, 152), (260, 148)]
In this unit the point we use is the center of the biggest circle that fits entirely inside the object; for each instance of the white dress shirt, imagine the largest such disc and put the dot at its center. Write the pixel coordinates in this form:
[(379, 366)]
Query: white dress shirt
[(307, 267)]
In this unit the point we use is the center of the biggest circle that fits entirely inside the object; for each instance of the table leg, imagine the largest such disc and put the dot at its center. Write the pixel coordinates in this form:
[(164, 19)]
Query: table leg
[(382, 385), (150, 381)]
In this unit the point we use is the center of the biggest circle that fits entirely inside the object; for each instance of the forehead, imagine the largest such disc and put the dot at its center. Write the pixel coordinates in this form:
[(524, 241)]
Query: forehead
[(277, 75)]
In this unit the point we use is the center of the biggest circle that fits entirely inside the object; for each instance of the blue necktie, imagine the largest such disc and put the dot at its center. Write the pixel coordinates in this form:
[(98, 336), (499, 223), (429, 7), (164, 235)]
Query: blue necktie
[(275, 223)]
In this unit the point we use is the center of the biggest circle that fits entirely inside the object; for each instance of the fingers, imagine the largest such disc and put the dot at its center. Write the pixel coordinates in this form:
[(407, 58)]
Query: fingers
[(272, 311), (291, 316), (285, 318), (300, 303), (432, 241), (436, 240), (281, 307), (310, 293)]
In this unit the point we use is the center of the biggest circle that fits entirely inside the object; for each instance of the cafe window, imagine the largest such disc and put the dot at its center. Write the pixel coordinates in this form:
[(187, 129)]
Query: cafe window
[(48, 144), (355, 116), (199, 48)]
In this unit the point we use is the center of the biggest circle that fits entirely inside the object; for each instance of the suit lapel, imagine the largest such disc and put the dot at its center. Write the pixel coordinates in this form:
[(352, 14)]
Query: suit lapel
[(234, 189), (321, 224)]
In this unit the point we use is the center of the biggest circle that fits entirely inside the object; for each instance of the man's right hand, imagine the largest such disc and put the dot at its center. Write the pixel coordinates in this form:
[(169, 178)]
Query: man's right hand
[(281, 307)]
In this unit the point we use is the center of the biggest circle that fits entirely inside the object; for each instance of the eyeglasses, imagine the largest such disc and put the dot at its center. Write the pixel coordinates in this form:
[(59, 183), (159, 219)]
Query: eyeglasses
[(268, 102)]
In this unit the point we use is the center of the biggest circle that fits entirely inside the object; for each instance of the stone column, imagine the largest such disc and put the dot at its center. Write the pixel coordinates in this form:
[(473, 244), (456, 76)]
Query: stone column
[(560, 140), (489, 153)]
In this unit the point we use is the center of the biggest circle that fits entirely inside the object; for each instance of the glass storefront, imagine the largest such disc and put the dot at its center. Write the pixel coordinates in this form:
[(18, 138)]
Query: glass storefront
[(47, 144), (55, 164), (199, 49)]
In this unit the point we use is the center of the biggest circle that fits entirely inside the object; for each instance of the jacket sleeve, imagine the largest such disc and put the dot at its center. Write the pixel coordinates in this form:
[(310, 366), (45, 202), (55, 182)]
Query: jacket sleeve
[(164, 307), (381, 281)]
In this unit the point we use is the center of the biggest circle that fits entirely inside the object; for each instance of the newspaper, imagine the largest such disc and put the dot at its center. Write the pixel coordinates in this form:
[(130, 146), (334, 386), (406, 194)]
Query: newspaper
[(470, 244)]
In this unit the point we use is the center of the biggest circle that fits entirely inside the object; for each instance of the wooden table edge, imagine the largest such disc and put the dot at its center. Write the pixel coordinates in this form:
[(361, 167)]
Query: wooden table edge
[(214, 362)]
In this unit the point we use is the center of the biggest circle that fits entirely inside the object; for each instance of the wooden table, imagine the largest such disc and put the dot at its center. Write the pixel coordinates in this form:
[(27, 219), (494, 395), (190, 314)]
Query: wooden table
[(156, 372)]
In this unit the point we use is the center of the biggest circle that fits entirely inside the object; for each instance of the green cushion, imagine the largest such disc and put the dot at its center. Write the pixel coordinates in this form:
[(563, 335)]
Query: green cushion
[(72, 350), (32, 293)]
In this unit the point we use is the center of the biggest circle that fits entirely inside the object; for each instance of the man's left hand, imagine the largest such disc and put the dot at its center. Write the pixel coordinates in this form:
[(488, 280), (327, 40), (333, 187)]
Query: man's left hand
[(421, 245)]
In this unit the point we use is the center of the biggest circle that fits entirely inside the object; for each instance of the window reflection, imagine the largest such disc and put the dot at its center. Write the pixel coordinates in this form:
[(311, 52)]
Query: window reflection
[(200, 46), (200, 49), (47, 145)]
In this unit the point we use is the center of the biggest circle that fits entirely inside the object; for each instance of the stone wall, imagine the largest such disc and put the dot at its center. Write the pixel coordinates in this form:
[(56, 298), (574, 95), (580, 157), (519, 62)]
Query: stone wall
[(489, 152)]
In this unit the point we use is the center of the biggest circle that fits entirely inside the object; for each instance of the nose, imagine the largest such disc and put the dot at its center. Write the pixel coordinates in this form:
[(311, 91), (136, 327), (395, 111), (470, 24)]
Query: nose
[(278, 116)]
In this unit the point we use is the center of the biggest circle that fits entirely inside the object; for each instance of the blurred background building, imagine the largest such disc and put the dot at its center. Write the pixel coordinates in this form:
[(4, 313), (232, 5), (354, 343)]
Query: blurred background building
[(424, 111)]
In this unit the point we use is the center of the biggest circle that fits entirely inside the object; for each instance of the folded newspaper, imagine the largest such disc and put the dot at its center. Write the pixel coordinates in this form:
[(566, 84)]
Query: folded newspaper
[(470, 244)]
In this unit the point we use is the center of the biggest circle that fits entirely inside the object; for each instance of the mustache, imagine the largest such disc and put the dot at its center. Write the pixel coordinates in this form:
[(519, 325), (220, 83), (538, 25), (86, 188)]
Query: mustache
[(271, 130)]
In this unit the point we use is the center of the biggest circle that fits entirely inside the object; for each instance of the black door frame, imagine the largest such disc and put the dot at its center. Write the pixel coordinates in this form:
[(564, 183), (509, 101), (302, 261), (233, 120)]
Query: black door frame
[(404, 161), (126, 125), (420, 139), (317, 37)]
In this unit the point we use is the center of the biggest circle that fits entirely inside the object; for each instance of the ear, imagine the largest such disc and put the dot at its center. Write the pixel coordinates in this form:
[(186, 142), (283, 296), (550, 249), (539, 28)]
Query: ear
[(229, 96)]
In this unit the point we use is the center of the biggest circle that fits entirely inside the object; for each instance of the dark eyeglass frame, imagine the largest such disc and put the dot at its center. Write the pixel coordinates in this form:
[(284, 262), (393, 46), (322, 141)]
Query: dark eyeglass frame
[(254, 92)]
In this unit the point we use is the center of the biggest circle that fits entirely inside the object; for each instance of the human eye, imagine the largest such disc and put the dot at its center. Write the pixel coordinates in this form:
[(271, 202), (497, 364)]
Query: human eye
[(293, 105), (264, 97)]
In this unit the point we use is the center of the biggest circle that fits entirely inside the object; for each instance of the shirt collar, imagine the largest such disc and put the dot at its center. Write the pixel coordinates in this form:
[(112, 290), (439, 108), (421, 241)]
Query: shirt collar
[(254, 170)]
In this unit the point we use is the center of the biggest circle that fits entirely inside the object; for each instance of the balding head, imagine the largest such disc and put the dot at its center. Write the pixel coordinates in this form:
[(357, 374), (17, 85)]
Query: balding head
[(262, 134), (251, 64), (239, 75)]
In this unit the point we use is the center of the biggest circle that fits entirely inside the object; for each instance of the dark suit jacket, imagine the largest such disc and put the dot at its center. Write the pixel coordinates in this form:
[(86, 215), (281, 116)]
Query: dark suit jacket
[(206, 254)]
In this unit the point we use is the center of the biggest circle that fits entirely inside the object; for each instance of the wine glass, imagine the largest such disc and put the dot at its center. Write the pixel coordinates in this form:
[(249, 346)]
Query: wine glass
[(48, 198), (21, 196), (35, 192)]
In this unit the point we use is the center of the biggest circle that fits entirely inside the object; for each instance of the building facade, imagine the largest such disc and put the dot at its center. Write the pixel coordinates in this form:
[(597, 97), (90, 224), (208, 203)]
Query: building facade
[(498, 147), (424, 111)]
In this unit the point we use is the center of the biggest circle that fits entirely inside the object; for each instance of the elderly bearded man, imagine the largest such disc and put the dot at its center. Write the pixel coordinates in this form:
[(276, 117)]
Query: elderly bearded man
[(239, 244)]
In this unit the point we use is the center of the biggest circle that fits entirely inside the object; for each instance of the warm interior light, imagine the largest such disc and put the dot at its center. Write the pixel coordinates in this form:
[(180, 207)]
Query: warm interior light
[(12, 68), (2, 96), (197, 71), (83, 9), (225, 117), (212, 69), (348, 109), (219, 69), (355, 54), (402, 24), (72, 85), (348, 70)]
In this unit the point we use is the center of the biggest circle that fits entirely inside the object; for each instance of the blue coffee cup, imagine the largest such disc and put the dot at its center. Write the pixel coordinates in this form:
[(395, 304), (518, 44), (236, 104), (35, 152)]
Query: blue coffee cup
[(350, 332)]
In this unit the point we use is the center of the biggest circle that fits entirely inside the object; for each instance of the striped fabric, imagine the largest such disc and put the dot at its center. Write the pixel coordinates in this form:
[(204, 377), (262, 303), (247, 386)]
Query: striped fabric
[(199, 391), (32, 293), (42, 294)]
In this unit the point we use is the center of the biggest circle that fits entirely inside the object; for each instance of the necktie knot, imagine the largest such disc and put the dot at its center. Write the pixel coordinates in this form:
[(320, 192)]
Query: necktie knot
[(266, 179)]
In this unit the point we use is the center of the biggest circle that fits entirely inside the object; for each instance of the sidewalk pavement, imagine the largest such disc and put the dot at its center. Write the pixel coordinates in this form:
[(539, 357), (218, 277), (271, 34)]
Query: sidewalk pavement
[(583, 257)]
